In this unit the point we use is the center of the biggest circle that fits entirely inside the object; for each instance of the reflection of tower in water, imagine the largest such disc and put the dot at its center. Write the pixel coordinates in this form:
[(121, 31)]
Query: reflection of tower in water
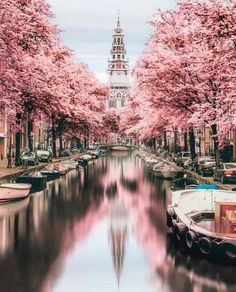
[(118, 236)]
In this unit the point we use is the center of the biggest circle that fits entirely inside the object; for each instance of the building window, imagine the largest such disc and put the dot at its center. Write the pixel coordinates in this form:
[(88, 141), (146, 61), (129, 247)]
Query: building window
[(118, 56), (113, 56), (123, 56), (122, 102), (118, 41)]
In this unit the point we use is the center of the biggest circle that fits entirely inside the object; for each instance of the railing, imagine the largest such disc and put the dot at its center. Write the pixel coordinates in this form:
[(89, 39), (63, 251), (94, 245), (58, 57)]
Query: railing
[(110, 145)]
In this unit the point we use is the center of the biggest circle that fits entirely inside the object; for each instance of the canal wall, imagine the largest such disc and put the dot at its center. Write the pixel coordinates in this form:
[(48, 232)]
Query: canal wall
[(10, 174)]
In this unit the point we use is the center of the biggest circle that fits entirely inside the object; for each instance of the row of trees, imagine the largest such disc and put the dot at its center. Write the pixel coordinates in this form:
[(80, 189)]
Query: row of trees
[(186, 77), (40, 79)]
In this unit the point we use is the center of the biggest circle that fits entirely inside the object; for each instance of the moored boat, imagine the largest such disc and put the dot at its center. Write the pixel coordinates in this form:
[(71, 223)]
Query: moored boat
[(58, 167), (36, 179), (167, 171), (63, 169), (69, 164), (205, 221), (93, 153), (51, 174), (151, 161), (84, 160), (14, 191)]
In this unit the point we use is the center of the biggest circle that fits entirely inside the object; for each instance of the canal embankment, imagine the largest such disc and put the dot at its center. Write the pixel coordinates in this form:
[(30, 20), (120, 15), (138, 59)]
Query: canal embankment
[(8, 174), (197, 177), (209, 180)]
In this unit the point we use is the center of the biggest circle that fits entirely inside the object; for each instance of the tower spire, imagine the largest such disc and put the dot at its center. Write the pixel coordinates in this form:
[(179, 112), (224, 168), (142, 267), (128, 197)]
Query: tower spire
[(118, 21)]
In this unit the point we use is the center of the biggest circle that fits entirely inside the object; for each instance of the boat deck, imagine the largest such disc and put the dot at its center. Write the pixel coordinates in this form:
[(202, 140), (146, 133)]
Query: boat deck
[(208, 224), (211, 223)]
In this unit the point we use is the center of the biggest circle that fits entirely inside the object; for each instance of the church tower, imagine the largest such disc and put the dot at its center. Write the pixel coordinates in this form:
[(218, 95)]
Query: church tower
[(118, 70)]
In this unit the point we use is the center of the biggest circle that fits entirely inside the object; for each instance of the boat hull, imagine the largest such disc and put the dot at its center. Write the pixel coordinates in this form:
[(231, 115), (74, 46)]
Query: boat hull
[(51, 175), (38, 183), (13, 191), (197, 232)]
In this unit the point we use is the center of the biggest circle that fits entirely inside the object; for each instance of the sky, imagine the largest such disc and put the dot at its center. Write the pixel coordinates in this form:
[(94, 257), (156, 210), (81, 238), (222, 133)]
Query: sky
[(87, 27)]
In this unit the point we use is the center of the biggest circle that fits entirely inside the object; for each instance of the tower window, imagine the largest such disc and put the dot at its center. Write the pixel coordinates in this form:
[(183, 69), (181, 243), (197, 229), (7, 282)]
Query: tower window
[(118, 95), (112, 103)]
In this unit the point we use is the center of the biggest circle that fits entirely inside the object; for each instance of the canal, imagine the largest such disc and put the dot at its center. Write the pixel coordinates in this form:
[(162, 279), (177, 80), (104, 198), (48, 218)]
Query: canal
[(100, 230)]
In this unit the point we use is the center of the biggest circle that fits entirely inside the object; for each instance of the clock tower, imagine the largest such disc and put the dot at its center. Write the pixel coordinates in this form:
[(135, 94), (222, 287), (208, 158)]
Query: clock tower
[(118, 70)]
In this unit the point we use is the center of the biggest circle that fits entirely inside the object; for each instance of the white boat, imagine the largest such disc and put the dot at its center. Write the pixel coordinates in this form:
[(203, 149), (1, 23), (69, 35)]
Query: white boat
[(150, 161), (205, 220), (14, 191), (93, 154), (85, 157), (166, 171)]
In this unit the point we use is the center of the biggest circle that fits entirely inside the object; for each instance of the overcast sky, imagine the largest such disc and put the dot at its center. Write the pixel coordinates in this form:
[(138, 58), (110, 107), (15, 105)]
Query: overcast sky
[(87, 27)]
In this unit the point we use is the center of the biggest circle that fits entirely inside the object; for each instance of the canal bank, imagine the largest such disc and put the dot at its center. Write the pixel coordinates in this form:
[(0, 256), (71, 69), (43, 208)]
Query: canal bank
[(209, 180), (191, 174), (7, 174)]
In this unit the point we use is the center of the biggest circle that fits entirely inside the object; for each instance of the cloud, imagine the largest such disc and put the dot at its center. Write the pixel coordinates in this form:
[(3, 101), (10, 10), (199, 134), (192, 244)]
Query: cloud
[(87, 27)]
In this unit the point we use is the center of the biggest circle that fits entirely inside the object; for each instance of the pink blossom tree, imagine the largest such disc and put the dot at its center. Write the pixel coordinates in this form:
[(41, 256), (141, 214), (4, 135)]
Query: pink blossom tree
[(188, 67)]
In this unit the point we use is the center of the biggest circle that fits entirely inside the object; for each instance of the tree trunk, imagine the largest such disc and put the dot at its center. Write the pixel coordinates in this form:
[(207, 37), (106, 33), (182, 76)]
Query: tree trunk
[(154, 143), (85, 143), (216, 144), (78, 143), (175, 141), (165, 140), (192, 143), (9, 156), (185, 141), (18, 141), (30, 135), (54, 138), (60, 142)]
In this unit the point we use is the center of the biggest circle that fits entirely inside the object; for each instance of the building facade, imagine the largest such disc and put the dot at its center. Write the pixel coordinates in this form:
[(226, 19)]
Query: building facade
[(118, 70)]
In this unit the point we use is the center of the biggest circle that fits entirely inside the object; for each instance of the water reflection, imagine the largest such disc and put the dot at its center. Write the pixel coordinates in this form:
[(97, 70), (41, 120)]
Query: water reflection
[(118, 236), (102, 229)]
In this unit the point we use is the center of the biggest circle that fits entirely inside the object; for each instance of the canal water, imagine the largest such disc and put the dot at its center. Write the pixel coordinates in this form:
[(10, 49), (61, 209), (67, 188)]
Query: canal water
[(100, 230)]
